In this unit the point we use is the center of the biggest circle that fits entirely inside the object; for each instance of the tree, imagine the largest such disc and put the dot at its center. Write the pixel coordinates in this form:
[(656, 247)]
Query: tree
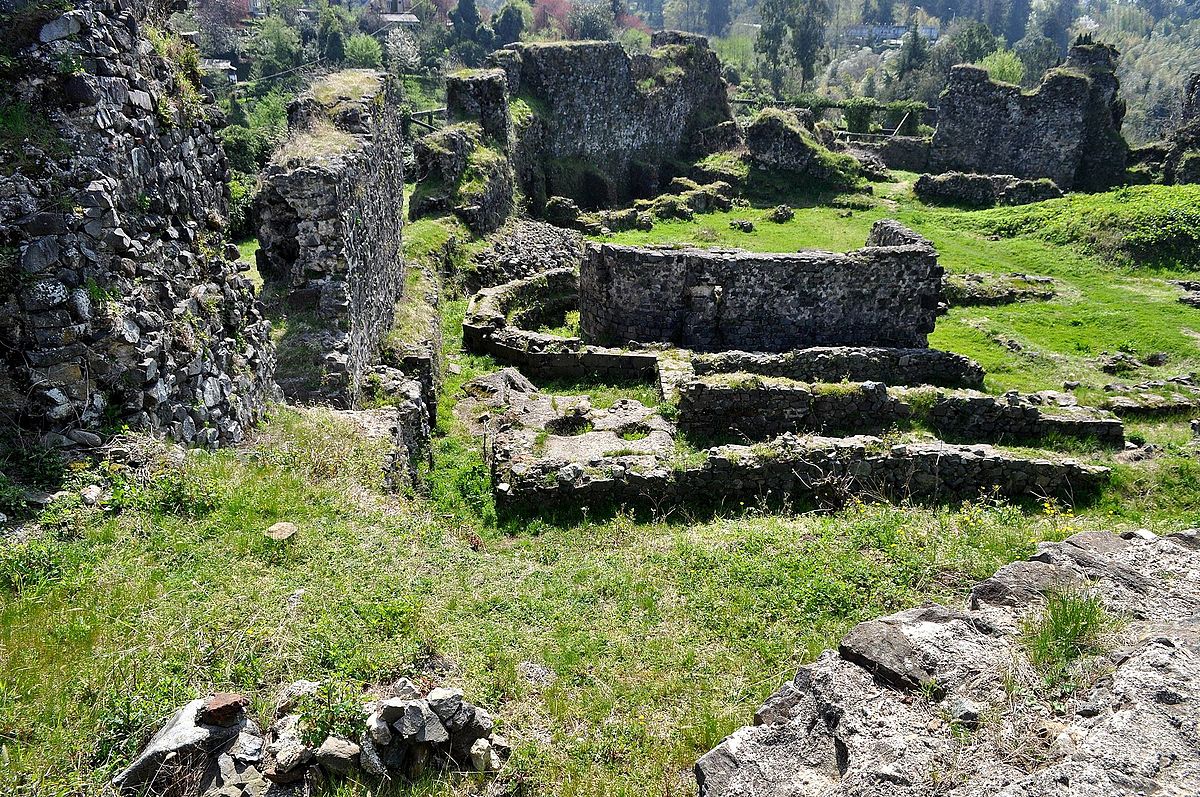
[(511, 22), (1052, 19), (878, 12), (1037, 54), (590, 21), (972, 40), (466, 20), (808, 23), (1004, 65), (363, 51), (333, 28), (717, 16), (914, 53), (275, 47), (772, 32)]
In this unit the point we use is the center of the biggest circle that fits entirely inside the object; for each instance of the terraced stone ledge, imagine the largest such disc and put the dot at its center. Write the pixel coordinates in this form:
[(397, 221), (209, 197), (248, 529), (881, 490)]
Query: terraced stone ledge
[(938, 700)]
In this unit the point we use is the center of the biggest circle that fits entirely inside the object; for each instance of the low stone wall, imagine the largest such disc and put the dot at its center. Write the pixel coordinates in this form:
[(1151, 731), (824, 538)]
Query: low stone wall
[(906, 153), (804, 470), (492, 326), (939, 700), (121, 302), (853, 364), (1014, 418), (983, 190), (759, 408), (967, 290), (885, 294), (330, 240)]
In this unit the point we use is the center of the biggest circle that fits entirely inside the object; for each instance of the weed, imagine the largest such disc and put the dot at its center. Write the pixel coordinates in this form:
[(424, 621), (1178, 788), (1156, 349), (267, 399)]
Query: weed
[(1072, 625)]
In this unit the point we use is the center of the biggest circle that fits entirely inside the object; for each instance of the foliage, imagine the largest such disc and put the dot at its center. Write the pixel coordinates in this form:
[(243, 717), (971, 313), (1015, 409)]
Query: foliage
[(858, 112), (590, 20), (512, 20), (275, 47), (1072, 625), (243, 188), (1004, 66), (364, 51), (333, 29)]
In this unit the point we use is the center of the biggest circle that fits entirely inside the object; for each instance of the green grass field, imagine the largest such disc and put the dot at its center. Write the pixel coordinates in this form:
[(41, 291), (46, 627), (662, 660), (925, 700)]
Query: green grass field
[(613, 651)]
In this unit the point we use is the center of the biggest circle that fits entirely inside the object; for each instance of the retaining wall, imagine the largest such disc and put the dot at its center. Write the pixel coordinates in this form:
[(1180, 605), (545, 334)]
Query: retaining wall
[(852, 364)]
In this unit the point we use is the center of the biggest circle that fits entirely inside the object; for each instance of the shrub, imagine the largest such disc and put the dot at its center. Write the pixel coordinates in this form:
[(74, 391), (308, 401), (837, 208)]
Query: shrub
[(363, 51), (1005, 66), (858, 112)]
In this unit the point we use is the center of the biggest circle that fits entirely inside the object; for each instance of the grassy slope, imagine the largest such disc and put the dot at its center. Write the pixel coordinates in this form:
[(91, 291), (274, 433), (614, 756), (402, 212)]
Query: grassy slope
[(661, 636)]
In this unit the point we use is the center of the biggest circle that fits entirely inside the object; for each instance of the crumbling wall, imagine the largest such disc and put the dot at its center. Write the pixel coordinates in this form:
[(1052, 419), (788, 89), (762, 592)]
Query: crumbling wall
[(1182, 159), (983, 190), (330, 236), (759, 408), (1068, 129), (591, 122), (886, 294), (120, 302)]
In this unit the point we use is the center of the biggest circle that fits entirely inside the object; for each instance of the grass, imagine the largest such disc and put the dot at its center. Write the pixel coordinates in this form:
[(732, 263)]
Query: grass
[(321, 140), (1073, 625), (351, 84), (662, 636)]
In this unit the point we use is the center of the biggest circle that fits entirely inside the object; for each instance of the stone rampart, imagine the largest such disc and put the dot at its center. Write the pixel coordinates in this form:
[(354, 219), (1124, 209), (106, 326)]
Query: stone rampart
[(1068, 129), (330, 236), (711, 300), (120, 302)]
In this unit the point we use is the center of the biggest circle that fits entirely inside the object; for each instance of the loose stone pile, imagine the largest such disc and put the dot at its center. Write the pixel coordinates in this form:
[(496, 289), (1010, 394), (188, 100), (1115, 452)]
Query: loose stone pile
[(120, 301), (942, 701), (211, 748)]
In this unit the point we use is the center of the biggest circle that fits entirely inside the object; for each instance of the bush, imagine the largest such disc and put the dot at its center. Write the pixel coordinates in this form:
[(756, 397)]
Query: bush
[(363, 51), (590, 21), (243, 188), (858, 112), (1005, 66), (243, 147)]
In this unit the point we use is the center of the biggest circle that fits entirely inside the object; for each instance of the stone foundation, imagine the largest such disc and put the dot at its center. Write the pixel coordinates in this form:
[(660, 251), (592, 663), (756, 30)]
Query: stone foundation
[(330, 237), (1015, 418), (886, 294), (939, 700), (756, 408), (836, 364), (983, 190), (120, 302)]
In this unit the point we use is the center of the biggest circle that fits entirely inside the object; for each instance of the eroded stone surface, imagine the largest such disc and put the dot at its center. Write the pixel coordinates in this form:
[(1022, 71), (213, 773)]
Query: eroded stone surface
[(918, 702)]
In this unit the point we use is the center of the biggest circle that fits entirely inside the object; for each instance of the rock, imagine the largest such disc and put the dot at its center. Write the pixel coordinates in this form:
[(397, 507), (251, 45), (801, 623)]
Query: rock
[(337, 754), (742, 225), (379, 730), (781, 214), (291, 694), (61, 28), (91, 494), (224, 709), (418, 723), (281, 531), (484, 757), (369, 758), (179, 744)]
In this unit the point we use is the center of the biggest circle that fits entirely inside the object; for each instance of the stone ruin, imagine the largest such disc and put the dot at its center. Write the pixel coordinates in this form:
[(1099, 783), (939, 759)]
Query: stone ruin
[(983, 190), (885, 294), (938, 700), (1067, 130), (758, 421), (581, 120), (121, 303), (330, 234)]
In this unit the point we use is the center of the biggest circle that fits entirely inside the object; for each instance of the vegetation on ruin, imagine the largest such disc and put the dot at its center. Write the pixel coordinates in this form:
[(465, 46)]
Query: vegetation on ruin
[(1073, 625)]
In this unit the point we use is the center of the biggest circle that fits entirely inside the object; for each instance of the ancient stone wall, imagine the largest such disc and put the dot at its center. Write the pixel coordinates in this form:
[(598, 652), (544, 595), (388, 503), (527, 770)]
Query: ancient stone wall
[(1015, 419), (591, 121), (120, 303), (1181, 161), (756, 408), (710, 300), (330, 235), (1067, 130), (852, 364), (983, 190), (941, 700)]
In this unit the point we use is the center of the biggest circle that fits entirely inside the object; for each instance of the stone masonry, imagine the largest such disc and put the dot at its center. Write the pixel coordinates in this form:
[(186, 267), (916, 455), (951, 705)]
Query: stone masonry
[(885, 294), (120, 302), (1068, 129), (852, 364), (330, 235), (938, 700)]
